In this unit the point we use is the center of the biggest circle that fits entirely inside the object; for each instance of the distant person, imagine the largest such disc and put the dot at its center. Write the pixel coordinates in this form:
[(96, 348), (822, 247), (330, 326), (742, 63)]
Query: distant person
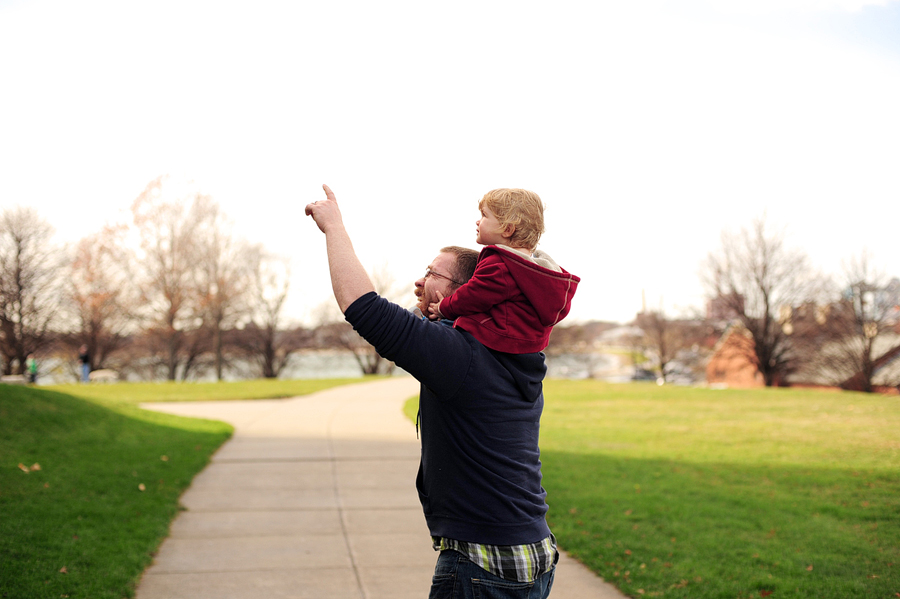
[(518, 293), (84, 357), (479, 479), (31, 368)]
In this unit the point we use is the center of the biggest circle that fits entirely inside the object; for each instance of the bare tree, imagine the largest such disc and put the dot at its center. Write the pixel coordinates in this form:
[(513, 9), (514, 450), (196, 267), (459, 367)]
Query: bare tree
[(862, 327), (100, 298), (663, 337), (753, 275), (30, 266), (263, 339), (333, 330), (673, 342), (369, 360), (224, 278), (167, 221)]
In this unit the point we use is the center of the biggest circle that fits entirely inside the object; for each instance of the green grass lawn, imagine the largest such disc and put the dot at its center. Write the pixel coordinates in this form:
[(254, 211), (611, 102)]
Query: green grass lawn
[(698, 493), (89, 483)]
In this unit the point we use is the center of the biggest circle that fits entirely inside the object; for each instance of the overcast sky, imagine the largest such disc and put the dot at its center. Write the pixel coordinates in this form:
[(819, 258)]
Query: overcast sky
[(646, 128)]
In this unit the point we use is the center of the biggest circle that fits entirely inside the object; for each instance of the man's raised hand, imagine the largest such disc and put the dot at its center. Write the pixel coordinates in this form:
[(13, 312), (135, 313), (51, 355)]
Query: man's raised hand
[(324, 212)]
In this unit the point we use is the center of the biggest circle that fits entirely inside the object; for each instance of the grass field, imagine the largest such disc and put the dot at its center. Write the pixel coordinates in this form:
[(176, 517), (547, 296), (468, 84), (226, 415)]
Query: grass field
[(664, 491), (697, 493), (89, 483)]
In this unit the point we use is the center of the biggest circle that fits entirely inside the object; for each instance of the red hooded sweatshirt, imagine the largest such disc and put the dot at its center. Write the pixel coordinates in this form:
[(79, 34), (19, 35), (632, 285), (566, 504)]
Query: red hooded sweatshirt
[(512, 301)]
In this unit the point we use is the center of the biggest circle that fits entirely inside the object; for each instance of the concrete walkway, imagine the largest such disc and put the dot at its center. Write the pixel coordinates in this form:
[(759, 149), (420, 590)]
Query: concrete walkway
[(314, 497)]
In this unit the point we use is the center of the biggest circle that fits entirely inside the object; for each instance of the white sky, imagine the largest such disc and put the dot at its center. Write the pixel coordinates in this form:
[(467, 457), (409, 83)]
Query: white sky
[(646, 128)]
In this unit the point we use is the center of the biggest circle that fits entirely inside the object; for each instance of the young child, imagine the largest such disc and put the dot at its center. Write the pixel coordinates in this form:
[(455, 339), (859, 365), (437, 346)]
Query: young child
[(517, 292)]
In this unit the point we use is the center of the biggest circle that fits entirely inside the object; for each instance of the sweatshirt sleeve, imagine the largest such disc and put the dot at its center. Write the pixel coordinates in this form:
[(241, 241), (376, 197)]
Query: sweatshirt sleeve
[(491, 284), (437, 356)]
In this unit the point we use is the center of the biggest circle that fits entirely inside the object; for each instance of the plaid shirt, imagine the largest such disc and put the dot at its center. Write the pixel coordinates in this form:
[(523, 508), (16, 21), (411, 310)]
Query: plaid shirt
[(522, 563)]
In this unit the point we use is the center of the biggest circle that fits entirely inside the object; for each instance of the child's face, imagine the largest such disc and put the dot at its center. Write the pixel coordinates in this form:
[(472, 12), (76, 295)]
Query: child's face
[(488, 230)]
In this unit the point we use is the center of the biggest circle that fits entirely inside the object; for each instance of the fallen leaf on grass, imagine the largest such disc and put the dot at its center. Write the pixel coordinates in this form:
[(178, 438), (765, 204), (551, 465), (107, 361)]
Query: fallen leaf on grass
[(63, 570), (141, 487), (164, 458), (23, 468), (765, 593), (35, 466), (809, 568)]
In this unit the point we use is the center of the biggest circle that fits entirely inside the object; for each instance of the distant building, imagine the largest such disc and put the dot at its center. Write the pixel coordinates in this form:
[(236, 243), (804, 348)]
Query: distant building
[(733, 362)]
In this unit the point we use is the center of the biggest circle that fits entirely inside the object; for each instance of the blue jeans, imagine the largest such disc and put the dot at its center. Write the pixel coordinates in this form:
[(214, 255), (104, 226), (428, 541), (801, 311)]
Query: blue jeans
[(455, 577), (85, 373)]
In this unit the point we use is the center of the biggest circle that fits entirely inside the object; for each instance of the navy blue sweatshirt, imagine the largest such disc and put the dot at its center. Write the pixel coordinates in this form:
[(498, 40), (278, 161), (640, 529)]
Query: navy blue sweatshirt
[(480, 474)]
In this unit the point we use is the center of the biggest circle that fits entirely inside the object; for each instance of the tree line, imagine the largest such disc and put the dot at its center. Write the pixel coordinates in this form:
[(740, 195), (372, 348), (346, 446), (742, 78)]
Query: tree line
[(799, 325), (172, 294), (804, 326), (176, 294), (796, 325)]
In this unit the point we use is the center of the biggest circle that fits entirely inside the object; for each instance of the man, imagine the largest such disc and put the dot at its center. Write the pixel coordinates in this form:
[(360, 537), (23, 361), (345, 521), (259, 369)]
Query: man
[(479, 477), (84, 357)]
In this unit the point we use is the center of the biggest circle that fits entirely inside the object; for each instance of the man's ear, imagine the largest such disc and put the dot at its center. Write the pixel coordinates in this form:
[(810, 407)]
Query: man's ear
[(508, 231)]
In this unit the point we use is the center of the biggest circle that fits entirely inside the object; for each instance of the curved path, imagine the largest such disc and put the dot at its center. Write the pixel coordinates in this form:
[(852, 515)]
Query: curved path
[(313, 497)]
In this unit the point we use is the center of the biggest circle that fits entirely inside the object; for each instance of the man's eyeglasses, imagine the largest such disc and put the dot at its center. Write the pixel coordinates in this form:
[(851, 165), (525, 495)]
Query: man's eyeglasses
[(430, 273)]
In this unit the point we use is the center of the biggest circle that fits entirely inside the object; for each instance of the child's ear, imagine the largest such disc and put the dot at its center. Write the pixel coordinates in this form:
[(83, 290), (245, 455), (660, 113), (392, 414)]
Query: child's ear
[(508, 231)]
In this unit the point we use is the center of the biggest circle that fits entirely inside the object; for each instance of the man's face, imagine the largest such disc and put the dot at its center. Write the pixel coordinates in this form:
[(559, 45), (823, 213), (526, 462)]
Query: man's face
[(428, 287)]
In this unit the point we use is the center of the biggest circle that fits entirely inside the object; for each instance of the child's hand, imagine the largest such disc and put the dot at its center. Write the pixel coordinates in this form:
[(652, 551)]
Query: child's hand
[(434, 308)]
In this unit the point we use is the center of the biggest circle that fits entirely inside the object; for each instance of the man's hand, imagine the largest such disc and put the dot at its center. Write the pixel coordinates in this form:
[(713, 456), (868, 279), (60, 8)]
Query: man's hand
[(349, 279), (325, 212)]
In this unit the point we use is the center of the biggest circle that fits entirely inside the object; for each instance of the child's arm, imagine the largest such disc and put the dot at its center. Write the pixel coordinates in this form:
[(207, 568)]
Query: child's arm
[(490, 285)]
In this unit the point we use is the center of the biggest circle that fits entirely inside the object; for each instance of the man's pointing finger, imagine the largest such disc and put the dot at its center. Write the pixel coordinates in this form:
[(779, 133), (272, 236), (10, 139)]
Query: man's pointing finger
[(328, 193)]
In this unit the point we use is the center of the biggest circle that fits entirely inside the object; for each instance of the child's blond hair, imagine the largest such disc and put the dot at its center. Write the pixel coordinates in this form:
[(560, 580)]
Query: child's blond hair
[(518, 207)]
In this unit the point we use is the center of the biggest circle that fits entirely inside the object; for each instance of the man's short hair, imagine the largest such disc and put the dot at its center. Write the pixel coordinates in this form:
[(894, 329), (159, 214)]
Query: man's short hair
[(464, 265), (518, 207)]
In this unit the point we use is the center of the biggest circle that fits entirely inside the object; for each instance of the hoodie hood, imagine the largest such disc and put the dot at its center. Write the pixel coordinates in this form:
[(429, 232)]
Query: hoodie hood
[(527, 371), (548, 287), (513, 300)]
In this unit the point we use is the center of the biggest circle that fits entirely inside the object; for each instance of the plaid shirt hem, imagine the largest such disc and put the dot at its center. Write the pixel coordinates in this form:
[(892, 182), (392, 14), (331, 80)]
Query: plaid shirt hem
[(522, 563)]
